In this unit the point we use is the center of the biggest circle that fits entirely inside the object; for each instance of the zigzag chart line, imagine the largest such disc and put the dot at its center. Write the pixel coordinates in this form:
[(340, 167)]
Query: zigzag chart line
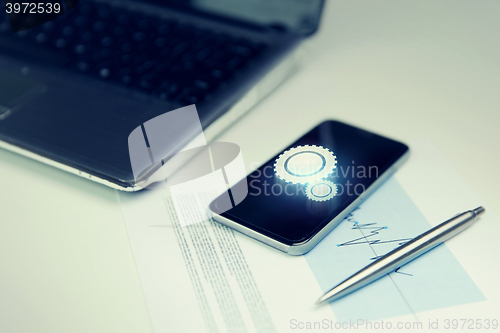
[(374, 230)]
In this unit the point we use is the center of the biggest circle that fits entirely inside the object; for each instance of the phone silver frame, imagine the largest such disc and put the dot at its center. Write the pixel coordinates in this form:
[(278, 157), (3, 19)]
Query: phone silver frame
[(304, 247)]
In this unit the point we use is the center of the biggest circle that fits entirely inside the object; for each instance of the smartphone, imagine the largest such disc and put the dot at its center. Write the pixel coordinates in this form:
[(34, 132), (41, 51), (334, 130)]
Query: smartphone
[(297, 197)]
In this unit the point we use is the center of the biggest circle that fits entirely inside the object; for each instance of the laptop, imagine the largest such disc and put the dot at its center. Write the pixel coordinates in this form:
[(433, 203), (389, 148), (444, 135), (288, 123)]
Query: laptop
[(74, 88)]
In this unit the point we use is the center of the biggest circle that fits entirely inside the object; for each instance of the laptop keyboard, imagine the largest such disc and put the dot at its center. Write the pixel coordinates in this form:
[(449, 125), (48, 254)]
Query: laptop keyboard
[(170, 59)]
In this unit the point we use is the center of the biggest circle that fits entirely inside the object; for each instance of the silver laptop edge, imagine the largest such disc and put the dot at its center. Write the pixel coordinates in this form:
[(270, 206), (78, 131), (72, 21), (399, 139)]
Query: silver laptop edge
[(265, 86)]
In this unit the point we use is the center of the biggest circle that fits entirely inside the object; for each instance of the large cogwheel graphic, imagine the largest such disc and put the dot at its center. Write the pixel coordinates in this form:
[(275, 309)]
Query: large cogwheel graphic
[(305, 164), (322, 190)]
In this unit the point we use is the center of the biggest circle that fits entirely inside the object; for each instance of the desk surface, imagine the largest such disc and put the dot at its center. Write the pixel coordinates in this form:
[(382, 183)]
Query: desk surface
[(422, 70)]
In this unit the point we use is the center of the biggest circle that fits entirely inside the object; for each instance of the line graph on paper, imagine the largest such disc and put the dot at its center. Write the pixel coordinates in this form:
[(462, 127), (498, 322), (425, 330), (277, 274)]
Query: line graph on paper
[(371, 234), (386, 220)]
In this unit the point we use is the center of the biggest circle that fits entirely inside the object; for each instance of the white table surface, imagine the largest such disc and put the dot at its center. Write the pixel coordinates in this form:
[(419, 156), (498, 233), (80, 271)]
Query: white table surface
[(408, 70)]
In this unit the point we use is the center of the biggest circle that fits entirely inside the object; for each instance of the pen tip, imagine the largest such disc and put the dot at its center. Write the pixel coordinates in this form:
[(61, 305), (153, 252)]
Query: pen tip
[(320, 300)]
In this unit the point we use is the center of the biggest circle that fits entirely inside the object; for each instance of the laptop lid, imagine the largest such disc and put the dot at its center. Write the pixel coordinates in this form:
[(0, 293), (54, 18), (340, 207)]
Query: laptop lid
[(295, 16)]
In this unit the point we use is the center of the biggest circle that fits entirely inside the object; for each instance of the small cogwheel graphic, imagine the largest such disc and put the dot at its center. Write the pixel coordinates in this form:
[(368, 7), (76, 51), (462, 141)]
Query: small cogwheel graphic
[(321, 191), (305, 164)]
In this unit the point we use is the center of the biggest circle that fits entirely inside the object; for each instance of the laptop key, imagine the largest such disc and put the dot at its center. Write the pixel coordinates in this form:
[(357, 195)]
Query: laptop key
[(80, 49), (239, 50)]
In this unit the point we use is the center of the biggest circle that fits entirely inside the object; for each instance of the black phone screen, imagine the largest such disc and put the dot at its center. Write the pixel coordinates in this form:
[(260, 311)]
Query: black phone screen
[(296, 193)]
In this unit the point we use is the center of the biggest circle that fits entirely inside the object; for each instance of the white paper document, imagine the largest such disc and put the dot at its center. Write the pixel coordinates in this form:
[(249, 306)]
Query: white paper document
[(206, 277)]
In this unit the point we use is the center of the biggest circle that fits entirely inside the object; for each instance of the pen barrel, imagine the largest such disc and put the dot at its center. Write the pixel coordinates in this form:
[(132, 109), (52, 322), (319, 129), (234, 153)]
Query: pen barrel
[(422, 243), (404, 254)]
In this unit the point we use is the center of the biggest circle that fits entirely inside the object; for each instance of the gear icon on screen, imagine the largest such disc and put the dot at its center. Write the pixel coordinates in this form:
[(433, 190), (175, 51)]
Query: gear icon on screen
[(305, 164), (321, 191)]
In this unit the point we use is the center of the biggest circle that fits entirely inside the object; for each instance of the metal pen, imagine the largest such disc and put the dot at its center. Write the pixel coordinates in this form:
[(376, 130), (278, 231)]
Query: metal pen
[(403, 254)]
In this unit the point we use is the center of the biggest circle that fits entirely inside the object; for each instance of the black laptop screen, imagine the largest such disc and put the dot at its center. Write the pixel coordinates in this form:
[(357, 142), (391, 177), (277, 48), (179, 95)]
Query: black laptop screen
[(301, 16)]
